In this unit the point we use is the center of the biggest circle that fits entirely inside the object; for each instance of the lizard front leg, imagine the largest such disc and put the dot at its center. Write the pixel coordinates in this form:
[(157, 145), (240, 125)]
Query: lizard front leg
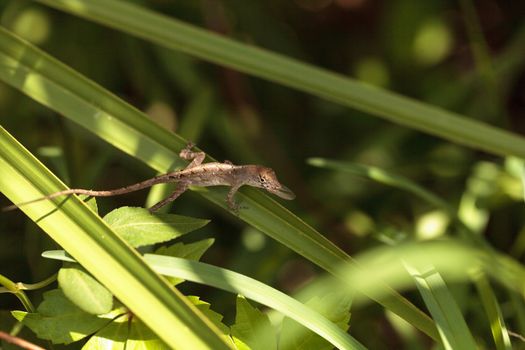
[(229, 198), (196, 157)]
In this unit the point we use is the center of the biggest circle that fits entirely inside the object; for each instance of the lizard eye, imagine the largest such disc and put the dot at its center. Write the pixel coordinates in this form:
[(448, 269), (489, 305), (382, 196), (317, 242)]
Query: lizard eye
[(263, 181)]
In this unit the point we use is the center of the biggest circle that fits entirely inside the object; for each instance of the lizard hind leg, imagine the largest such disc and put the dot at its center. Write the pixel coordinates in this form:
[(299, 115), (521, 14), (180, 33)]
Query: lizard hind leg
[(196, 157), (181, 188)]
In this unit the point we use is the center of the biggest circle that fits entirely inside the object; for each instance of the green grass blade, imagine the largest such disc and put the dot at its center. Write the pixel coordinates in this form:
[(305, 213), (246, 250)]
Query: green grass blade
[(55, 85), (87, 238), (177, 35), (494, 314), (443, 308)]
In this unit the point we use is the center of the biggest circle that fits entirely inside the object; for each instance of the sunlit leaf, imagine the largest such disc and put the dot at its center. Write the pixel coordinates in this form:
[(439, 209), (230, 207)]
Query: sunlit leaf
[(252, 328), (139, 227), (111, 337), (334, 306), (59, 320), (84, 291), (191, 251)]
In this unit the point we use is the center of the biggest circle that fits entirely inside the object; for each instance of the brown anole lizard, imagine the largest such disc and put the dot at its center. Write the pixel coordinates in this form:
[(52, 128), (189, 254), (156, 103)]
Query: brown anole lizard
[(195, 174)]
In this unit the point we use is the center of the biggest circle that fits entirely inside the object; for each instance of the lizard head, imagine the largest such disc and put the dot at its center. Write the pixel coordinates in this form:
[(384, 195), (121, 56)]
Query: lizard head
[(265, 178)]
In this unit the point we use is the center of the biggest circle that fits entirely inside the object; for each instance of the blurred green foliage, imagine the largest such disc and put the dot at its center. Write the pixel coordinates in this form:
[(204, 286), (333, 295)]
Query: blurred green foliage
[(466, 57)]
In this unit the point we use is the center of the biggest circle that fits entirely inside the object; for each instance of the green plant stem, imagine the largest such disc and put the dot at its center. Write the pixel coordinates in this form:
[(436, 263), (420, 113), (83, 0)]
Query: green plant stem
[(14, 288), (38, 285)]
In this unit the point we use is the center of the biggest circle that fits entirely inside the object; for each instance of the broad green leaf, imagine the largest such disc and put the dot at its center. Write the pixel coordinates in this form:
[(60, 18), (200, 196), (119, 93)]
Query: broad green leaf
[(84, 291), (111, 337), (59, 320), (252, 328), (141, 337), (139, 227), (334, 306), (444, 309), (129, 333), (125, 333), (191, 251), (60, 88)]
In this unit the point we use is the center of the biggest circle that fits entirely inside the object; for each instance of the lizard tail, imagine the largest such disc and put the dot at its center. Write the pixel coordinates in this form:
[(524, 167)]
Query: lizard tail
[(108, 193)]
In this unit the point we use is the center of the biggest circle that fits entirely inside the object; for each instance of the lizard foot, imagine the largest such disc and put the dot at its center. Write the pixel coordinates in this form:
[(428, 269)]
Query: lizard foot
[(235, 208)]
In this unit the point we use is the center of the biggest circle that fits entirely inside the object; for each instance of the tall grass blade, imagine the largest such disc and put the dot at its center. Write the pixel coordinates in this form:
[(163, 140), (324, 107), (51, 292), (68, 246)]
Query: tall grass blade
[(174, 34)]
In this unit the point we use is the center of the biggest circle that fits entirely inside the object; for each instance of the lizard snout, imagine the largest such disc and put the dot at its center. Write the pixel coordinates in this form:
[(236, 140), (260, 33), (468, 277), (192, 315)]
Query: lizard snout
[(283, 192)]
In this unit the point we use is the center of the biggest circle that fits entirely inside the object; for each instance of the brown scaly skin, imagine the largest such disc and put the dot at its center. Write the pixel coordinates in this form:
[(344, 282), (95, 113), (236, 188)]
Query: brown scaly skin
[(195, 174)]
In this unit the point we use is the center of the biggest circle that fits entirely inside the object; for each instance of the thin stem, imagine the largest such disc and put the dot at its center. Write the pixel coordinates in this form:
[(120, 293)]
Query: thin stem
[(19, 341)]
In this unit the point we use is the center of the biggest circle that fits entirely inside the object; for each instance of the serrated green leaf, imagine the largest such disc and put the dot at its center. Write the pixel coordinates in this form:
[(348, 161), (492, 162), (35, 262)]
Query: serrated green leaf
[(252, 328), (191, 251), (59, 320), (91, 202), (140, 228), (111, 337), (215, 317), (84, 290), (334, 306)]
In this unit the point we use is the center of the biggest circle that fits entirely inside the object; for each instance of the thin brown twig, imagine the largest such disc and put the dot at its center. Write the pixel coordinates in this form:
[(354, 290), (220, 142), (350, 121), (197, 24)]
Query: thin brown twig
[(19, 341), (516, 335)]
